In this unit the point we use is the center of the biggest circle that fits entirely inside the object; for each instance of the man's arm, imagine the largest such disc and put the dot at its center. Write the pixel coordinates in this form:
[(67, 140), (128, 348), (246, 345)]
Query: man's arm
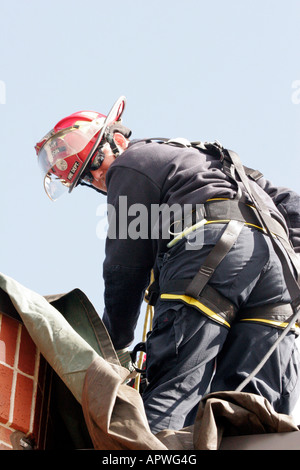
[(130, 252), (123, 297)]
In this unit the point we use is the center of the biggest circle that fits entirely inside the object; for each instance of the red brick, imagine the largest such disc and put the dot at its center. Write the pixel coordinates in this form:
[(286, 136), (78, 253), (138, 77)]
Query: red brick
[(5, 447), (27, 354), (23, 403), (5, 435), (8, 335), (6, 376)]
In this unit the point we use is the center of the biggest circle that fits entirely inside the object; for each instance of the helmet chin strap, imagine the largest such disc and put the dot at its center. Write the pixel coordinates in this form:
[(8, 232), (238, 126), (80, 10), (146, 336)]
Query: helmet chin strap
[(99, 157), (99, 154), (114, 148), (82, 183), (97, 161)]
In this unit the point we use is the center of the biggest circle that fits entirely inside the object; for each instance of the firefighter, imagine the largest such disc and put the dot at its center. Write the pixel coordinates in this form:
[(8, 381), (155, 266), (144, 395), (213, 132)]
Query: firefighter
[(221, 299)]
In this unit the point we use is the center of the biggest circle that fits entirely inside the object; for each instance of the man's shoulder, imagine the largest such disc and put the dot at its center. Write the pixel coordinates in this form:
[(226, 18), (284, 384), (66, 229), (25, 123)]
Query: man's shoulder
[(139, 155)]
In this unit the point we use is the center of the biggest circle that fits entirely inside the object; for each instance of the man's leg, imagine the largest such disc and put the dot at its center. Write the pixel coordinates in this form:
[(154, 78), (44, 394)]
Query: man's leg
[(181, 351)]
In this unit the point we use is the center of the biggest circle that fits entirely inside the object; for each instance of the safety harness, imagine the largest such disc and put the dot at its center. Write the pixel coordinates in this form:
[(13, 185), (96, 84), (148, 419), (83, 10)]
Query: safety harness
[(235, 213)]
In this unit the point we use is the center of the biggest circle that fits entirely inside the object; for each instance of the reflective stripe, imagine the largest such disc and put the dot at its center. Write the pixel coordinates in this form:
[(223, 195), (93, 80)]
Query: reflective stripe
[(195, 303), (275, 323), (218, 199), (215, 316)]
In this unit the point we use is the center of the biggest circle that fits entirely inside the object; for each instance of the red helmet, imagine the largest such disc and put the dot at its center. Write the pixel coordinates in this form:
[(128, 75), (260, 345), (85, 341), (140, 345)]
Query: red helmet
[(66, 151)]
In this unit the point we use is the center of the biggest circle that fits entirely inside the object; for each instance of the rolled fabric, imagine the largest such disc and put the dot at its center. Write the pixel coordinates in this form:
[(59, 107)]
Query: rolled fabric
[(65, 350)]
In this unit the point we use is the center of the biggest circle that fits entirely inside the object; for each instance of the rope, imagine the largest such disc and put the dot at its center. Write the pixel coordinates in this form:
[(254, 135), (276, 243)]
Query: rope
[(147, 327)]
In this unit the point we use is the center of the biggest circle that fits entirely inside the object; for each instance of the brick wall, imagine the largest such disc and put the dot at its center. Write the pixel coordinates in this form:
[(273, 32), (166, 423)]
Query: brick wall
[(22, 384)]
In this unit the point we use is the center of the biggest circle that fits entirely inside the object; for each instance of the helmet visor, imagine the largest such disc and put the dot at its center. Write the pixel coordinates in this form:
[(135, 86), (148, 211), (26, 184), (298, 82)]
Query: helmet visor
[(66, 143)]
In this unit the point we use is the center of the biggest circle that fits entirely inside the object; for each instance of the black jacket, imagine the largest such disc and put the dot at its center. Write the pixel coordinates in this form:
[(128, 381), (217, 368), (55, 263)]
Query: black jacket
[(149, 175)]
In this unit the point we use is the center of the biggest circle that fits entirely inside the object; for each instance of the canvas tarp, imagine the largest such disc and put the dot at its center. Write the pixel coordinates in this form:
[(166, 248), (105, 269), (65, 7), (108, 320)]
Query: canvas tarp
[(75, 343)]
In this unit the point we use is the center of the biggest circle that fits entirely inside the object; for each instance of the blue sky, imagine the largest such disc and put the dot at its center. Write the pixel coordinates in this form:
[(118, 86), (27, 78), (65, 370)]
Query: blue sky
[(196, 69)]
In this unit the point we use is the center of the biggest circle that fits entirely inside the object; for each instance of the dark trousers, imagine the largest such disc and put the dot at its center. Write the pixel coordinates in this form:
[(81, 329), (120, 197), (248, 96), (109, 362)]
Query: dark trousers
[(189, 354)]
